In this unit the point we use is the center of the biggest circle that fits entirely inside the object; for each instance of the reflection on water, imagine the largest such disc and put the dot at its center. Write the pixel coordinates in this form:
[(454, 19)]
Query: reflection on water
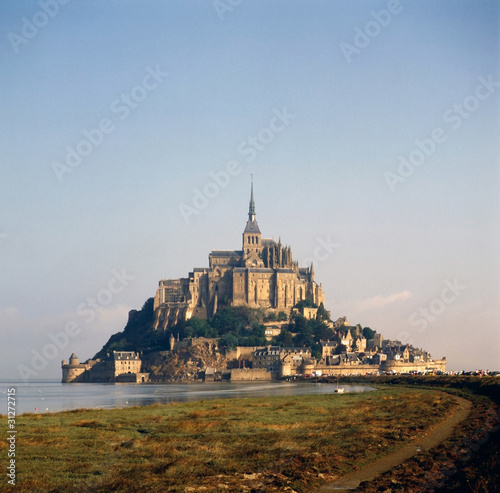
[(50, 395)]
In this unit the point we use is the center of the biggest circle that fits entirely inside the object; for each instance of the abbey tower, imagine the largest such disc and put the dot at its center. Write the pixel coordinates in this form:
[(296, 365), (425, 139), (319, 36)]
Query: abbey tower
[(260, 275)]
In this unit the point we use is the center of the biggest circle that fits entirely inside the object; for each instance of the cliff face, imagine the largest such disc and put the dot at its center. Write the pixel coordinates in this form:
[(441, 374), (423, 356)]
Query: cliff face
[(184, 364)]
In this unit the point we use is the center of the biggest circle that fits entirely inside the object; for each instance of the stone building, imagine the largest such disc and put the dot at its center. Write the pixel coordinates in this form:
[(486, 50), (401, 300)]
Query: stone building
[(328, 348), (118, 366), (272, 330), (282, 361), (74, 371), (262, 274), (268, 358)]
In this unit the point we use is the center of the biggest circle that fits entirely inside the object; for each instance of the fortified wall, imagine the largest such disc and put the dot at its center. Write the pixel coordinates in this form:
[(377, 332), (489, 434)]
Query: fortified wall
[(251, 374)]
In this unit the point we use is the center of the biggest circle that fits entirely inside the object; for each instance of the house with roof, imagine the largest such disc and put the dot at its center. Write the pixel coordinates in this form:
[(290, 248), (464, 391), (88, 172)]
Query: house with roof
[(328, 348)]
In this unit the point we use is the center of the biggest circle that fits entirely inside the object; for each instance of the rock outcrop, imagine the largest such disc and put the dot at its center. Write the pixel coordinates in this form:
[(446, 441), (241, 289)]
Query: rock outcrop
[(185, 363)]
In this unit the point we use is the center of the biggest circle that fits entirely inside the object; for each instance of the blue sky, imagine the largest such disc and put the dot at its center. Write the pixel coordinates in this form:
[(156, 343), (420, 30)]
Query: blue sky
[(358, 104)]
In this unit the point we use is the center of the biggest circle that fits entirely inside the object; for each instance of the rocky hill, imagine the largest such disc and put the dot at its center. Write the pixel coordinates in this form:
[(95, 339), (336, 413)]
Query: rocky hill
[(184, 364)]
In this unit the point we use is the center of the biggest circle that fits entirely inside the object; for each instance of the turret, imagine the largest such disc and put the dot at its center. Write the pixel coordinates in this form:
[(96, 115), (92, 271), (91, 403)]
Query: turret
[(252, 245), (251, 207)]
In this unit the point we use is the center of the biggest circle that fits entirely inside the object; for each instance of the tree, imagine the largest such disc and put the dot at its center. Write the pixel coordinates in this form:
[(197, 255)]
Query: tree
[(284, 339), (301, 340), (197, 325), (282, 317), (304, 331), (300, 325), (303, 304), (320, 330), (228, 341), (368, 333), (224, 321), (322, 314), (316, 351), (341, 348)]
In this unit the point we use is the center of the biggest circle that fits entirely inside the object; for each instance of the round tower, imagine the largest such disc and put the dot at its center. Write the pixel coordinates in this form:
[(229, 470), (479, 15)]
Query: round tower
[(72, 371)]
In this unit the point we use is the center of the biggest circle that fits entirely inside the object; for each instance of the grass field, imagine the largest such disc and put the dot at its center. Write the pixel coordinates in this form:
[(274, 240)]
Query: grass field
[(252, 444), (469, 460)]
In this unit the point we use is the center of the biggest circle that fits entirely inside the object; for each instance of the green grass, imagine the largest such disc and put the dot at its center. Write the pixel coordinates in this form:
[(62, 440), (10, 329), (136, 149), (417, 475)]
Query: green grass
[(223, 445)]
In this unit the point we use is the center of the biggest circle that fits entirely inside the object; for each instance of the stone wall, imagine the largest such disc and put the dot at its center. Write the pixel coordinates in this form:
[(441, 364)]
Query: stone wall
[(346, 369), (251, 374), (420, 366), (243, 352)]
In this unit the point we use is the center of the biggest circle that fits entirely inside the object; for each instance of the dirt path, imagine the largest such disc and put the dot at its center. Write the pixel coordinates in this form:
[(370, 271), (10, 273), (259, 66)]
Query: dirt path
[(434, 437)]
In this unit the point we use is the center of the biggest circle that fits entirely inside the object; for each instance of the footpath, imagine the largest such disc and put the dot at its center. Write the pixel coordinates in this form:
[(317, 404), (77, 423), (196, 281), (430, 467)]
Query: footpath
[(434, 437)]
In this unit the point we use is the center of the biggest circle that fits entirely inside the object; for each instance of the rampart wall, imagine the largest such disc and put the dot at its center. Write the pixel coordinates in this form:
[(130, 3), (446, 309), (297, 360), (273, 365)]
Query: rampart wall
[(251, 374)]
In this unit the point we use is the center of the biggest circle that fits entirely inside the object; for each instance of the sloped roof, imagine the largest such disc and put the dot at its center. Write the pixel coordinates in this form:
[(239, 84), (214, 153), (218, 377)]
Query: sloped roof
[(125, 355), (225, 253), (252, 227)]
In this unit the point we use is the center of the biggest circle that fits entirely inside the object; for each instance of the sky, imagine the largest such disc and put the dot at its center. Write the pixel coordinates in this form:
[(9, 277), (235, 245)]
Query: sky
[(129, 131)]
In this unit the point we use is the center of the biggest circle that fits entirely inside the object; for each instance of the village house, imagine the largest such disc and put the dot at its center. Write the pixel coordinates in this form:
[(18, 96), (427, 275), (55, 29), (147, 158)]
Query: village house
[(273, 358), (328, 348)]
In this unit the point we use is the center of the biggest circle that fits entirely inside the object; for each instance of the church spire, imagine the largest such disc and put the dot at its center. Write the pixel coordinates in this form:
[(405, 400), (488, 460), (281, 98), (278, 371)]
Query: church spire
[(251, 208)]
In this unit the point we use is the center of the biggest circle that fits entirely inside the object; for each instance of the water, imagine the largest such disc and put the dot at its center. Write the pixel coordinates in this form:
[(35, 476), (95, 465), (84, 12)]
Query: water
[(50, 395)]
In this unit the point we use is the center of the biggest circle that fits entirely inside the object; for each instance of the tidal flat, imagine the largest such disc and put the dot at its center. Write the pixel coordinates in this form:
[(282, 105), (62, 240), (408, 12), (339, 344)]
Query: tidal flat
[(260, 444)]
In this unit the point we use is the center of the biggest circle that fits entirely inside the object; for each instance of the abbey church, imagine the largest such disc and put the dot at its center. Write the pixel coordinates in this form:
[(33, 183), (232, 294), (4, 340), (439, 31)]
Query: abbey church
[(262, 274)]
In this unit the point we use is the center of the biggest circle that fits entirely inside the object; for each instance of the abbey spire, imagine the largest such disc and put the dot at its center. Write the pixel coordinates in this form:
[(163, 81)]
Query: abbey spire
[(252, 244), (251, 208), (252, 226)]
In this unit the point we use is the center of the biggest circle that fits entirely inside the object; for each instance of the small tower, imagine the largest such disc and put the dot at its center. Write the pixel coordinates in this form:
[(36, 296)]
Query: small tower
[(252, 245)]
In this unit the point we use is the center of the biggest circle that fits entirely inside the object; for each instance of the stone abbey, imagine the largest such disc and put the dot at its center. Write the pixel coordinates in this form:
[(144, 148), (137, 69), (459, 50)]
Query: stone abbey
[(262, 274)]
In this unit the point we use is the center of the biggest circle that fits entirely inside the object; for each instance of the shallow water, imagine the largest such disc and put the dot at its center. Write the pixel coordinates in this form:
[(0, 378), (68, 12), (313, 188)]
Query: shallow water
[(50, 395)]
